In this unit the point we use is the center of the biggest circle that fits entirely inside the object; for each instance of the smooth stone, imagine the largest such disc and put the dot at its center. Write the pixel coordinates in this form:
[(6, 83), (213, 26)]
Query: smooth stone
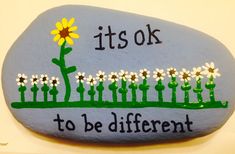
[(169, 45)]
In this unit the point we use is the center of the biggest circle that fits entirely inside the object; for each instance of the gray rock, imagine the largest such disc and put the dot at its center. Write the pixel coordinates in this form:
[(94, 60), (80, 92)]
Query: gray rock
[(131, 42)]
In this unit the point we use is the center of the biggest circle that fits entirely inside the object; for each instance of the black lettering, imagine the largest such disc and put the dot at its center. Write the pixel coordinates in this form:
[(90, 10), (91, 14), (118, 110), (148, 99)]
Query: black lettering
[(145, 123), (136, 38), (122, 126), (113, 125), (123, 40), (70, 125), (165, 124), (98, 125), (59, 120), (188, 123), (88, 126), (154, 123), (176, 124), (136, 121), (100, 40), (110, 35), (152, 34)]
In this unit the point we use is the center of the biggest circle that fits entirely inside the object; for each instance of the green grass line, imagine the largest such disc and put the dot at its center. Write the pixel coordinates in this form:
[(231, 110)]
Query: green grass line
[(106, 104)]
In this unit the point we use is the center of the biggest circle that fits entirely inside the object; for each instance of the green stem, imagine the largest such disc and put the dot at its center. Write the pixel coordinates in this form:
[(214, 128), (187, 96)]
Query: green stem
[(81, 90), (100, 89), (34, 89), (159, 88), (211, 85), (133, 88), (212, 95), (160, 96), (198, 90), (22, 90), (91, 92), (173, 94), (45, 90), (54, 93), (186, 96), (114, 95), (123, 90)]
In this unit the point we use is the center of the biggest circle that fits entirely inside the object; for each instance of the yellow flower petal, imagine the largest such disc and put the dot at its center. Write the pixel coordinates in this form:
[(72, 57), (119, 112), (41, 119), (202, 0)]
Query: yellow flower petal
[(74, 35), (73, 28), (64, 22), (69, 40), (55, 31), (61, 41), (56, 38), (59, 26), (71, 21)]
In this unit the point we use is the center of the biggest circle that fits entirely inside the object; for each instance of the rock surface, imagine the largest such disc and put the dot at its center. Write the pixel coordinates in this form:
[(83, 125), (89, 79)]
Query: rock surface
[(112, 41)]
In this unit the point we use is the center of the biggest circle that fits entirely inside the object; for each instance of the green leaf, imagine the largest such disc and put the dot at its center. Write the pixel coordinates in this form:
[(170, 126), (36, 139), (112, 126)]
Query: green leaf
[(70, 69), (67, 50), (56, 61)]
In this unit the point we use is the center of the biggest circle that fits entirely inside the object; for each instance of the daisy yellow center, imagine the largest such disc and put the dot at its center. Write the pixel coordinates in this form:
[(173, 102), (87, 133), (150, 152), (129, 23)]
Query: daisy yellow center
[(64, 32)]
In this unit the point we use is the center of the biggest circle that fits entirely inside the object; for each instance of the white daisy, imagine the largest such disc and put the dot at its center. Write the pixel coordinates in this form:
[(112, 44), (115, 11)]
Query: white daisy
[(80, 77), (144, 73), (158, 74), (197, 73), (172, 72), (34, 80), (91, 81), (133, 77), (44, 79), (185, 75), (21, 79), (113, 77), (54, 81), (101, 76), (210, 70), (123, 75)]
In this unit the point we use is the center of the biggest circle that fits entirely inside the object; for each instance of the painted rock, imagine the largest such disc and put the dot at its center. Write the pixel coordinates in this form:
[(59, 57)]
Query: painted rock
[(97, 75)]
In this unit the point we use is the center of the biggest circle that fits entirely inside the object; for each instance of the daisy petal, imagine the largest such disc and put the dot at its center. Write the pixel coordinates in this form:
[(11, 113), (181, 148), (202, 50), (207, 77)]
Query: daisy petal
[(71, 21), (64, 22), (55, 31), (74, 35), (73, 28), (69, 40), (61, 41), (59, 26), (56, 38)]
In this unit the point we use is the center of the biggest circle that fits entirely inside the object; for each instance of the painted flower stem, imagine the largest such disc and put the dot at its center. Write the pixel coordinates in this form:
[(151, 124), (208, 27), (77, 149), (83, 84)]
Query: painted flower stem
[(34, 89), (91, 93), (113, 87), (133, 87), (186, 87), (65, 70), (198, 90), (159, 88), (123, 91), (54, 93), (80, 89), (22, 90), (144, 88), (45, 90), (210, 85), (173, 85), (100, 89)]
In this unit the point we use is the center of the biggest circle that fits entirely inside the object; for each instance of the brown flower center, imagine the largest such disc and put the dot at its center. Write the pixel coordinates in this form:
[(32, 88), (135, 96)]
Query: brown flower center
[(80, 77), (185, 76), (198, 73), (113, 77), (54, 82), (159, 74), (44, 79), (35, 79), (64, 32), (133, 77), (144, 73), (92, 80), (101, 76), (171, 72), (21, 80), (211, 70)]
